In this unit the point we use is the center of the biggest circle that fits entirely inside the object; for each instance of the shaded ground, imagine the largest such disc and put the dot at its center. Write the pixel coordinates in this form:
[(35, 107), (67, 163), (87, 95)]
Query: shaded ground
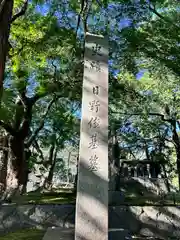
[(34, 234), (26, 234), (135, 193), (149, 199), (51, 197), (68, 197), (154, 222)]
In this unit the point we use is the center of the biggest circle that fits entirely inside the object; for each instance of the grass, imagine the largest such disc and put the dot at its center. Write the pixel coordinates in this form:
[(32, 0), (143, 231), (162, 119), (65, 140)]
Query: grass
[(69, 198), (150, 199), (25, 234), (64, 196)]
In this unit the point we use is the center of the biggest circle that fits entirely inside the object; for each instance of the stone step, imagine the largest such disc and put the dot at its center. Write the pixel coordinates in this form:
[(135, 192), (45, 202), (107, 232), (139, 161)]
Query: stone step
[(58, 233), (119, 234)]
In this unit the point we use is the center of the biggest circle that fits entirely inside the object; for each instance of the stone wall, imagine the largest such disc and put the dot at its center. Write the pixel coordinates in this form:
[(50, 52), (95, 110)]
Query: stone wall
[(151, 221), (147, 221), (14, 217)]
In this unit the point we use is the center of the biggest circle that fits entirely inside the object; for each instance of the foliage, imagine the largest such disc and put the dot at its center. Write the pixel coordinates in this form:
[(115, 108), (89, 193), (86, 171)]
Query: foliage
[(46, 61), (144, 100)]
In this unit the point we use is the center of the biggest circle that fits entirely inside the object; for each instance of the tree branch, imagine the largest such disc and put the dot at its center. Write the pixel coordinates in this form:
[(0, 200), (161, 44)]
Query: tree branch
[(79, 16), (161, 116), (8, 128), (168, 140), (21, 12), (2, 6), (38, 96), (99, 3), (178, 123), (140, 114), (38, 149), (153, 9), (34, 135)]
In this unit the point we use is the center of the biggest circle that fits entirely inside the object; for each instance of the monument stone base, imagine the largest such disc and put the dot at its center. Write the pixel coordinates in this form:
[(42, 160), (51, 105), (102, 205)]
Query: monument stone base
[(58, 233)]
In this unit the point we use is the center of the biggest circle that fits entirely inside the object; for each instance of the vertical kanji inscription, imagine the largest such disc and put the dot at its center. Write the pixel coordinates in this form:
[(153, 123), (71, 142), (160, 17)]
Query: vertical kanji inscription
[(92, 188)]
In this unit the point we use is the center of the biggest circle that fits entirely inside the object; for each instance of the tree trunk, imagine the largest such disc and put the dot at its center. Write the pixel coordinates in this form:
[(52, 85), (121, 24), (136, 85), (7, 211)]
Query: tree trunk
[(76, 176), (48, 180), (3, 163), (178, 164), (116, 156), (68, 167), (16, 168), (114, 161), (166, 178), (23, 179), (6, 7), (177, 147)]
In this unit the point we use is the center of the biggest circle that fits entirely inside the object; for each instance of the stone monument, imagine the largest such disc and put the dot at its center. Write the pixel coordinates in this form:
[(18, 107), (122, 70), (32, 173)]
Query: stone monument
[(91, 220), (92, 188)]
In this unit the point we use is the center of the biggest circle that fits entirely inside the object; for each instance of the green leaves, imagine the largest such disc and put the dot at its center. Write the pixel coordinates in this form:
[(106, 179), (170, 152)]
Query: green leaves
[(7, 106), (143, 106)]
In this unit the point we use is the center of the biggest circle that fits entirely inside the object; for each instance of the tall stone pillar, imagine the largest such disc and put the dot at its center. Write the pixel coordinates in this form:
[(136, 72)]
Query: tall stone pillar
[(92, 188)]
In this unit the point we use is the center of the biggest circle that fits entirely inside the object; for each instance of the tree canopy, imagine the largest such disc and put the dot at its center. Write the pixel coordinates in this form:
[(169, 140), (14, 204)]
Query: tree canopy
[(42, 49)]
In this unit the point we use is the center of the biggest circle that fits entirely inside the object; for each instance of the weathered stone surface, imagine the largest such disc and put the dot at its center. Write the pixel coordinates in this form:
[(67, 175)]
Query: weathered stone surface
[(6, 211), (156, 222), (12, 222), (146, 185), (40, 216), (59, 234), (116, 197), (122, 217), (92, 188), (26, 209), (149, 221), (159, 222), (68, 234)]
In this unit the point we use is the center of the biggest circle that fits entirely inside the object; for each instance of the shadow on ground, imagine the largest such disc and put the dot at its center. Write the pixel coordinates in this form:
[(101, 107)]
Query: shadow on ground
[(153, 221)]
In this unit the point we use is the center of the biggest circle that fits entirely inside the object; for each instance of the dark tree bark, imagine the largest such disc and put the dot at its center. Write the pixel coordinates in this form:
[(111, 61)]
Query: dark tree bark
[(68, 167), (18, 145), (52, 161), (163, 164), (6, 18), (177, 147), (166, 178), (6, 7), (76, 176), (17, 166), (3, 162), (23, 179), (116, 160), (19, 148), (33, 136)]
